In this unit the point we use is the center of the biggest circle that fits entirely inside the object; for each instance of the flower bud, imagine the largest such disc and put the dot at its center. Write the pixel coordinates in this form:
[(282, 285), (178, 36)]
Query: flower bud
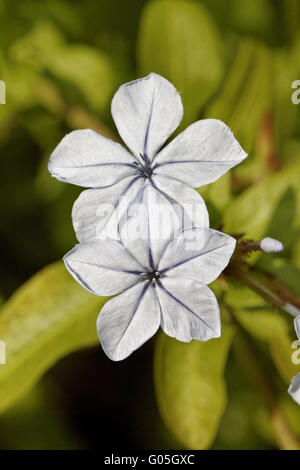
[(270, 245)]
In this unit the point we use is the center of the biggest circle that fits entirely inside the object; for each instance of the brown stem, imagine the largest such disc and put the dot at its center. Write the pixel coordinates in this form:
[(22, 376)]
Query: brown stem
[(279, 298), (282, 290), (265, 145), (247, 246)]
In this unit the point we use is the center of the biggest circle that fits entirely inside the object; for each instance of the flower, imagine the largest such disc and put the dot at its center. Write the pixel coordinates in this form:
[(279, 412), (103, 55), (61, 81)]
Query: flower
[(271, 245), (161, 281), (146, 112), (294, 389)]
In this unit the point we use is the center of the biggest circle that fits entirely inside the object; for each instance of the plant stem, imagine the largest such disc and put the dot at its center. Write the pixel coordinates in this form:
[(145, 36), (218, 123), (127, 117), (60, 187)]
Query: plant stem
[(281, 289), (282, 298)]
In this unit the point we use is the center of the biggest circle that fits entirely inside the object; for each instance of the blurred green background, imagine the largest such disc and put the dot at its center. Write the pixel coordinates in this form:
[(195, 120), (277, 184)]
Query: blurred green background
[(62, 61)]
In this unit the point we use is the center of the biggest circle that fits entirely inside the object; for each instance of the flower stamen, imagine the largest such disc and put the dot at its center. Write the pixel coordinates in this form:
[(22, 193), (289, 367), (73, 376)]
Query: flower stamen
[(150, 275), (145, 171)]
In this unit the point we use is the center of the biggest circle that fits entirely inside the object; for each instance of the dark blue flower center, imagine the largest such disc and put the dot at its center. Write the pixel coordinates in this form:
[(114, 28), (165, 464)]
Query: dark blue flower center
[(151, 275), (143, 169)]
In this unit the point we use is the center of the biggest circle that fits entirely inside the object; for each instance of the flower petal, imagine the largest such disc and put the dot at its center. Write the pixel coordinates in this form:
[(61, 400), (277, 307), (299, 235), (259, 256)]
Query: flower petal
[(128, 321), (147, 226), (189, 310), (104, 267), (297, 326), (294, 388), (88, 159), (194, 211), (146, 112), (183, 257), (96, 211), (200, 154)]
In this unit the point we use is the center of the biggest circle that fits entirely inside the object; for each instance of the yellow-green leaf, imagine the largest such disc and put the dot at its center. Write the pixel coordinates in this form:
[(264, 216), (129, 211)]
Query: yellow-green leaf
[(47, 318), (179, 40), (79, 66), (218, 193), (247, 92), (282, 354), (264, 323), (190, 387), (256, 208), (258, 318)]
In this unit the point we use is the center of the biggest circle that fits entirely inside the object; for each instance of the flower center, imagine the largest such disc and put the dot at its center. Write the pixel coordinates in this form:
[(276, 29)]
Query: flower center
[(143, 169), (151, 275)]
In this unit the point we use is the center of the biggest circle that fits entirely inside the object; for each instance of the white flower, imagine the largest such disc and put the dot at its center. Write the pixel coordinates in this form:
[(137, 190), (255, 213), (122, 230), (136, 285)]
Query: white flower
[(294, 389), (163, 280), (297, 326), (270, 245), (146, 112)]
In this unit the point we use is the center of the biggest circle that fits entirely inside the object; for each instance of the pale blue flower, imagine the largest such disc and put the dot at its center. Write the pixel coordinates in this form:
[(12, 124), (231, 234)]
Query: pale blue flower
[(161, 281), (146, 112)]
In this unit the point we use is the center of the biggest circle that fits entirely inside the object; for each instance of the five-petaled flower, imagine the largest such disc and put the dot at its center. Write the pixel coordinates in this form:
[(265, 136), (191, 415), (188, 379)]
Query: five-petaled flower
[(161, 281), (294, 389), (146, 112)]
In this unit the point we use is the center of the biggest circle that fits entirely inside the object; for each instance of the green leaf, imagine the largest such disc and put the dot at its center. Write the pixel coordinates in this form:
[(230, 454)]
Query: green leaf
[(291, 17), (286, 113), (190, 387), (178, 40), (256, 317), (218, 193), (76, 66), (20, 94), (246, 94), (262, 324), (266, 324), (39, 46), (236, 429), (282, 354), (290, 409), (296, 252), (217, 197), (87, 69), (251, 16), (252, 212), (239, 296), (284, 216), (47, 318), (283, 270), (247, 17)]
